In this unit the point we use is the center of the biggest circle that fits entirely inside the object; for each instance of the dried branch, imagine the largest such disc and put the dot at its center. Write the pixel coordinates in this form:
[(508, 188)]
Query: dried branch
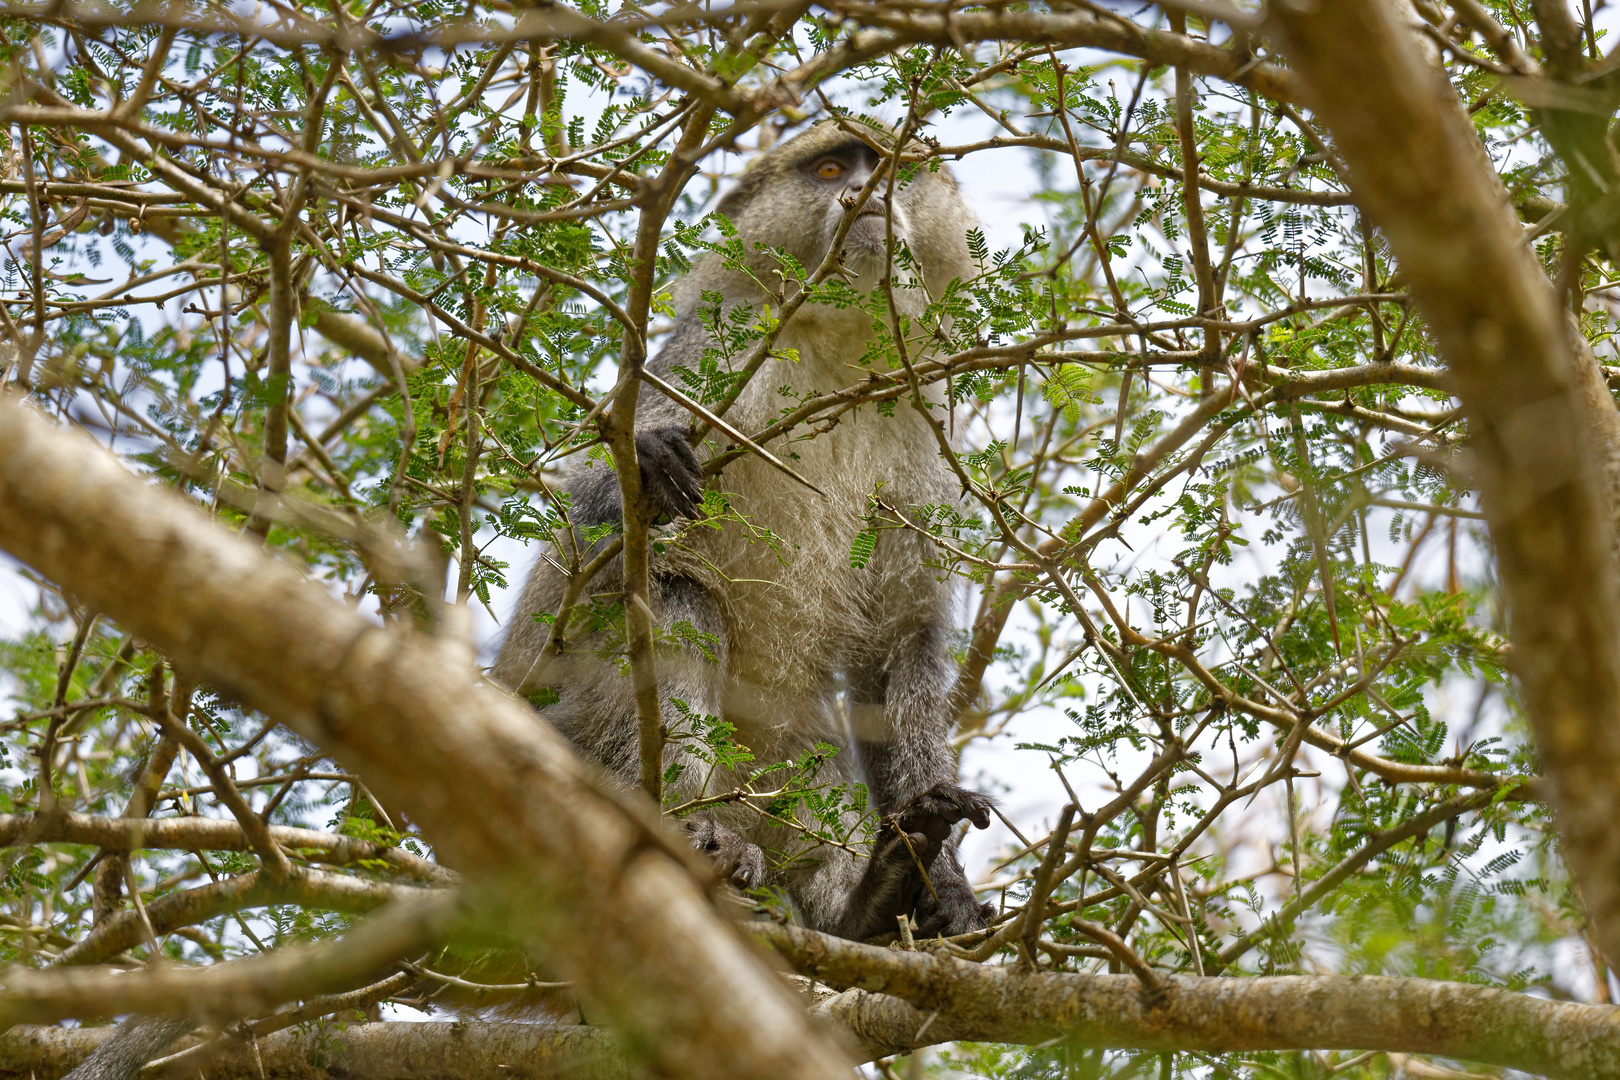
[(252, 825)]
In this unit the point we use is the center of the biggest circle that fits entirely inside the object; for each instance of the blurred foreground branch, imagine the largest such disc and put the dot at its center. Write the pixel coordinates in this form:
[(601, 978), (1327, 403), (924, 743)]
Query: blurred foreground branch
[(590, 878), (1544, 433)]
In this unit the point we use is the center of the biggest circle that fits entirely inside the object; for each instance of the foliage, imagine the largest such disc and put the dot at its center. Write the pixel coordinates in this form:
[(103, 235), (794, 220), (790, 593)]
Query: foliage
[(1226, 581)]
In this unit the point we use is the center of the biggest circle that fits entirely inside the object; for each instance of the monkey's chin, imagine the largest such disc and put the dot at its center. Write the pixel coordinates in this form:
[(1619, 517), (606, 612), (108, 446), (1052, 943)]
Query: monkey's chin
[(866, 248)]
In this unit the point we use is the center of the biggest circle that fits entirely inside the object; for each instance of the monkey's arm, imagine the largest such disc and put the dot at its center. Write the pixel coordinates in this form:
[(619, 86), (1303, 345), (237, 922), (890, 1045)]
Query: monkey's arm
[(900, 711), (671, 475), (901, 716)]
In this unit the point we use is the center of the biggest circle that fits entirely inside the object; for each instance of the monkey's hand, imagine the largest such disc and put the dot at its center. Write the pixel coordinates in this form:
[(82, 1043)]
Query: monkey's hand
[(671, 475), (906, 871), (740, 864)]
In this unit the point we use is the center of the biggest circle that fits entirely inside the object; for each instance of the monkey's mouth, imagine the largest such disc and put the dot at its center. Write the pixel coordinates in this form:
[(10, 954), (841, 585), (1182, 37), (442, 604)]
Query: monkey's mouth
[(871, 230)]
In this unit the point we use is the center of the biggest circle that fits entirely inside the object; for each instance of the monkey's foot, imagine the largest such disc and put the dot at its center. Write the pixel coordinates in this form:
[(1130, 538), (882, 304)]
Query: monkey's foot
[(671, 475), (738, 862), (906, 873), (934, 812), (958, 910), (949, 907)]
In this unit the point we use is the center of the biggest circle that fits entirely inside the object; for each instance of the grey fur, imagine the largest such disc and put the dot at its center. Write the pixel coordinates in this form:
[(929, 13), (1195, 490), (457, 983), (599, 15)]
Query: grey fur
[(137, 1040), (788, 626)]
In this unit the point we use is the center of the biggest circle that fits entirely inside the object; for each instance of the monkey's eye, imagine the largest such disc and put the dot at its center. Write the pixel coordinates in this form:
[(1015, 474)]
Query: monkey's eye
[(831, 169)]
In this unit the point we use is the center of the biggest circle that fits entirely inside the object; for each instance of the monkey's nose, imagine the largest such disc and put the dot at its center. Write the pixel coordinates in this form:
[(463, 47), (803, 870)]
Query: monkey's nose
[(876, 203)]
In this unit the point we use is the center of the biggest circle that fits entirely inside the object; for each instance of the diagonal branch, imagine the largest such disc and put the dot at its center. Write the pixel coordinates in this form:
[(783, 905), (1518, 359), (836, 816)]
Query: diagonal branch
[(228, 991), (591, 879)]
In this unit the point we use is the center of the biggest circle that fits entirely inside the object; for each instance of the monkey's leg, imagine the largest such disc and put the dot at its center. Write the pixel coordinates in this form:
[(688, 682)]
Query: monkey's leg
[(900, 716), (914, 871), (859, 898), (596, 710)]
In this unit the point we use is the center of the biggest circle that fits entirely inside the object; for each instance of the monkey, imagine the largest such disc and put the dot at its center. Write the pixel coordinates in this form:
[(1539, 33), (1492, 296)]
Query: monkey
[(783, 634)]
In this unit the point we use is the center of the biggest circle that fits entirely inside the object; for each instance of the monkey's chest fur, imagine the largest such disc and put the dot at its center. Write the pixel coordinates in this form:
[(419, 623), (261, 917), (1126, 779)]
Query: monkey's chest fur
[(797, 608)]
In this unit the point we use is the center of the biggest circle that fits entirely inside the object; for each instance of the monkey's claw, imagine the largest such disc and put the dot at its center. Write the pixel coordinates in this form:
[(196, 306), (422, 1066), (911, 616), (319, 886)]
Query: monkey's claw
[(671, 475)]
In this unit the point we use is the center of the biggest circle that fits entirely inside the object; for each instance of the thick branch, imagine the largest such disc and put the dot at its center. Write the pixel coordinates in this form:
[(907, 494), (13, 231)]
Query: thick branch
[(592, 880), (1421, 175), (228, 991), (1081, 29), (427, 1051), (978, 1002), (313, 889)]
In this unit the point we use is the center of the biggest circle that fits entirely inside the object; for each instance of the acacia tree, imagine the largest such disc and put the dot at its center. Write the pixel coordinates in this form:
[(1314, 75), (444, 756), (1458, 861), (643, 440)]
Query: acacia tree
[(342, 286)]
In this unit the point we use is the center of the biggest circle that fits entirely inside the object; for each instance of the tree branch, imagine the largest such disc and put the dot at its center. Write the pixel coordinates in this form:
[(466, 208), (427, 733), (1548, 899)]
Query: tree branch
[(307, 888), (892, 994), (224, 992), (210, 834), (1420, 174), (495, 1051), (592, 879)]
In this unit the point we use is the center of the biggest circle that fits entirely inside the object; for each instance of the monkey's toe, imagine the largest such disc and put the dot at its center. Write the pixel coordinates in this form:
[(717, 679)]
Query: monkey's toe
[(747, 870), (956, 913), (738, 862)]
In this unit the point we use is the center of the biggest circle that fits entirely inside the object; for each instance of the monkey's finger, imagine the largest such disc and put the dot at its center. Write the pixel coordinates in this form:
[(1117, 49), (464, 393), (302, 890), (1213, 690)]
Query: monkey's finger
[(691, 485), (666, 489), (978, 812), (687, 495), (688, 456), (968, 804)]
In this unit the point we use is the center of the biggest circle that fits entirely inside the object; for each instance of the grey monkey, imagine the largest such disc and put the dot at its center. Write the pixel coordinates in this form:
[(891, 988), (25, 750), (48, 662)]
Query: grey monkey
[(786, 626)]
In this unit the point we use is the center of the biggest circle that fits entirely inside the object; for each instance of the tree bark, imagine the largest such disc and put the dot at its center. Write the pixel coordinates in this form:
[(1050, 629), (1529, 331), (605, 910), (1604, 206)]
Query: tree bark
[(429, 1051), (893, 1002), (1541, 439), (897, 1001)]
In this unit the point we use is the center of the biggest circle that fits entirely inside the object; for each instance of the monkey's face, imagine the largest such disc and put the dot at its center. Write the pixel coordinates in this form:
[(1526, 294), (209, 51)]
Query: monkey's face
[(835, 180), (801, 193), (798, 195)]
